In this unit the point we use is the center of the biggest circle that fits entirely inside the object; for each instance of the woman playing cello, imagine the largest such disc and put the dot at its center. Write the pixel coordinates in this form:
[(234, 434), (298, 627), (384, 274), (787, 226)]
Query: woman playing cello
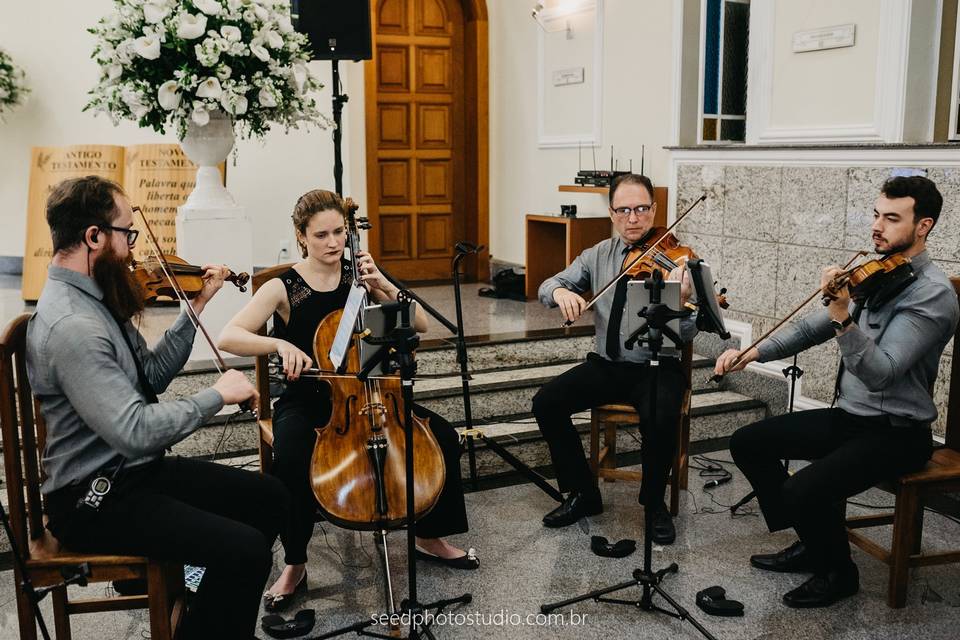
[(298, 301)]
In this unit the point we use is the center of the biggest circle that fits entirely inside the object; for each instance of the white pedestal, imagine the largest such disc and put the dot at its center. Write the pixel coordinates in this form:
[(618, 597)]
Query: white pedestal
[(216, 236)]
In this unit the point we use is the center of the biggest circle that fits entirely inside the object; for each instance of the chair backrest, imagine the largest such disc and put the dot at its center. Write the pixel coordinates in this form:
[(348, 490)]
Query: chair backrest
[(262, 369), (24, 436), (952, 431)]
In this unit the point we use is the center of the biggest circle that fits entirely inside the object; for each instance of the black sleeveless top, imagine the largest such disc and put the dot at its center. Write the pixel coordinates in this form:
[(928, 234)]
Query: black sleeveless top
[(308, 308)]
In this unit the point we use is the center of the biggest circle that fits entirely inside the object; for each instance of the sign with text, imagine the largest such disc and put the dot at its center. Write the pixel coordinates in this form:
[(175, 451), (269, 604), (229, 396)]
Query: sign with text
[(156, 177)]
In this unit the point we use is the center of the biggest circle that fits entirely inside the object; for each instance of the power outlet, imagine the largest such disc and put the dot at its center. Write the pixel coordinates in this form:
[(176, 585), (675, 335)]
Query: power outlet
[(284, 254)]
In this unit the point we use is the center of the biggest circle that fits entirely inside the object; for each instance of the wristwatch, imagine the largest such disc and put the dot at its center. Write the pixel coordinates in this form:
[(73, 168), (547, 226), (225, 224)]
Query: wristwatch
[(840, 326)]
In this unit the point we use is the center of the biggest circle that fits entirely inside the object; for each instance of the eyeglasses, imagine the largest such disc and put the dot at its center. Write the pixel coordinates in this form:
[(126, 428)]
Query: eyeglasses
[(132, 234), (640, 209)]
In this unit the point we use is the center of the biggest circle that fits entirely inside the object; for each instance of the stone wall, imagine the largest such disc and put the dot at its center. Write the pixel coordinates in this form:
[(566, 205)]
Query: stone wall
[(768, 230)]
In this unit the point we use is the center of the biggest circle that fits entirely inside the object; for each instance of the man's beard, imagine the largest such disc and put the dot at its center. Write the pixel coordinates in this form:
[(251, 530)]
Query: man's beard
[(900, 247), (122, 294)]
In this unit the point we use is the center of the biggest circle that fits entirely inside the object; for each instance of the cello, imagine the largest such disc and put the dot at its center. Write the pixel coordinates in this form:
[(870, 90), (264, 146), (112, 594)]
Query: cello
[(357, 469)]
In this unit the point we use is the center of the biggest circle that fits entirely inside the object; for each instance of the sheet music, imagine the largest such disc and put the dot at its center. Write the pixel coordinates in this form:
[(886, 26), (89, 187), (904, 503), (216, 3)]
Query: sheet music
[(341, 342)]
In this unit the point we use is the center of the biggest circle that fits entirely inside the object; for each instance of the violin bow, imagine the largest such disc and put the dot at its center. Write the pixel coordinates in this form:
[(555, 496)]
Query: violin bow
[(718, 377), (636, 260), (219, 362)]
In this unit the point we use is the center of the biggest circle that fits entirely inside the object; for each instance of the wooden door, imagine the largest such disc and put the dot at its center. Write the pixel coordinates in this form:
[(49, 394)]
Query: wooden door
[(415, 137)]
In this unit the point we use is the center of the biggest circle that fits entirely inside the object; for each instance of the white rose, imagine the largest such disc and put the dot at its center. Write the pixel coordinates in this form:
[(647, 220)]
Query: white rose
[(200, 116), (154, 12), (266, 98), (114, 71), (147, 47), (4, 93), (261, 13), (224, 72), (209, 88), (284, 24), (231, 33), (235, 105), (249, 16), (209, 7), (190, 27), (168, 96), (274, 39), (257, 49)]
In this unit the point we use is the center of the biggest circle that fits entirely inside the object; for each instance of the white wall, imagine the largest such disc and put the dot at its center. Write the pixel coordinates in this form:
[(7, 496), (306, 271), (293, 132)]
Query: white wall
[(830, 87), (50, 41), (636, 111)]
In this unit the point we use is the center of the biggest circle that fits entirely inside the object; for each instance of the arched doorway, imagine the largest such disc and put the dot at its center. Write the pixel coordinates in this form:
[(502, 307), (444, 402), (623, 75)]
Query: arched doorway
[(427, 135)]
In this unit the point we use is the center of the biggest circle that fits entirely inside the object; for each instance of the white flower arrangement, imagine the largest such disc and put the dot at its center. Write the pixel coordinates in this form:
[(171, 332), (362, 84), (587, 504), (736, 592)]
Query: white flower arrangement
[(13, 87), (167, 63)]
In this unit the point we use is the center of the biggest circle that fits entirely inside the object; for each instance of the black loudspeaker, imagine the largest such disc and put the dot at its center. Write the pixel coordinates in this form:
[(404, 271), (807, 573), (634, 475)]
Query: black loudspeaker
[(338, 29)]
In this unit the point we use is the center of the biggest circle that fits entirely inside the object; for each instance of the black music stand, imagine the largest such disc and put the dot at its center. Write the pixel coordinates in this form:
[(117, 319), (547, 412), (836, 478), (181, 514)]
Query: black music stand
[(652, 331)]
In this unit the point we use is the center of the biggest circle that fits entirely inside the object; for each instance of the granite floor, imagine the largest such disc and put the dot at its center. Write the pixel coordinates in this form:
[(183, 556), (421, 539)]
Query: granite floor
[(525, 565)]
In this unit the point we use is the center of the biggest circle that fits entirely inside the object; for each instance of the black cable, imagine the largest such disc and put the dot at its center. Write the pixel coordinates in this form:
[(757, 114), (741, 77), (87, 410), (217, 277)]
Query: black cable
[(340, 557)]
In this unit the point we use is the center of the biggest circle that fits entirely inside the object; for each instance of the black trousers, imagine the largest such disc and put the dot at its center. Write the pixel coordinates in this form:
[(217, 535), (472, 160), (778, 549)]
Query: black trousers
[(849, 454), (189, 511), (598, 381), (295, 419)]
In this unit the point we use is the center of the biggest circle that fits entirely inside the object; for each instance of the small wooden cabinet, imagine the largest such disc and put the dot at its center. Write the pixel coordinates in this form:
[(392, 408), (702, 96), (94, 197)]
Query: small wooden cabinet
[(553, 242)]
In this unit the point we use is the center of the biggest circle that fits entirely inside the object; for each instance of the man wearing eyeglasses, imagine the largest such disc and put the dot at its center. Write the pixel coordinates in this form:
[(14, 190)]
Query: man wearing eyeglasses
[(97, 383), (613, 373)]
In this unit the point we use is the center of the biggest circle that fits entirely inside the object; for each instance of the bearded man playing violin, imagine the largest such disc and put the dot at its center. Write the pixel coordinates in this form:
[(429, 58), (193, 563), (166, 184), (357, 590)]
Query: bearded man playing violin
[(879, 427), (613, 373), (97, 383)]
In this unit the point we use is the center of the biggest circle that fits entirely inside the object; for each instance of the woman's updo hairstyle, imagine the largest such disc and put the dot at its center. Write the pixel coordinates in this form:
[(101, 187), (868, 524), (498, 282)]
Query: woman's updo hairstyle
[(312, 203)]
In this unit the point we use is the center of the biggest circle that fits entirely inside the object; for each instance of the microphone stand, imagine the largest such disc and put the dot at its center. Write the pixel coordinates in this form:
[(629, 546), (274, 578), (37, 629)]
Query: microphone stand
[(793, 372), (656, 316), (471, 432)]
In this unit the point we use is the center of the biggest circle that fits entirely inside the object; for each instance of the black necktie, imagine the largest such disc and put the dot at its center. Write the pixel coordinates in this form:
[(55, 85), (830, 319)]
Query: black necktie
[(616, 316), (145, 385), (857, 310)]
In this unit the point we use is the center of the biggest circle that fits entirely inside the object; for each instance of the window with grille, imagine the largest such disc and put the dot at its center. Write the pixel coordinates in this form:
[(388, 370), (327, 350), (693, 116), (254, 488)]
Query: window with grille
[(723, 67)]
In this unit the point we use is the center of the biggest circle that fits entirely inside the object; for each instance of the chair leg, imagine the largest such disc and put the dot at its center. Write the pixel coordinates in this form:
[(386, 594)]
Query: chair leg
[(28, 624), (61, 619), (674, 490), (904, 541), (266, 457), (610, 444), (160, 603), (594, 448)]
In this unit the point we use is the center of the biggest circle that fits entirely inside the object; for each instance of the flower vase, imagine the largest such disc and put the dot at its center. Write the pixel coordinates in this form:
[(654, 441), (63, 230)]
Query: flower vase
[(207, 146)]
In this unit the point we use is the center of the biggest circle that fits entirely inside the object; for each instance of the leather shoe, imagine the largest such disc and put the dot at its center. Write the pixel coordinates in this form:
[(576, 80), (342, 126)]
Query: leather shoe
[(663, 529), (577, 505), (824, 590), (793, 559)]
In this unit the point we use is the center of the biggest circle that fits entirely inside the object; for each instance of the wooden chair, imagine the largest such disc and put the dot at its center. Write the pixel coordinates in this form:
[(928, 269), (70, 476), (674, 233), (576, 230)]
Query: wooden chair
[(942, 475), (607, 417), (24, 435), (265, 420)]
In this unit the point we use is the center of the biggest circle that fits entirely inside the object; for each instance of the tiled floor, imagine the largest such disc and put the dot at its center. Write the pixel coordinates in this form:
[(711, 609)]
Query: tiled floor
[(525, 565)]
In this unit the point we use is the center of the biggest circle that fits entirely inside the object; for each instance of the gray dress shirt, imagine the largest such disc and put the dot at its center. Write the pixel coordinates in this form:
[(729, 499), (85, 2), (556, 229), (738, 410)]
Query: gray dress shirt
[(592, 269), (85, 379), (891, 355)]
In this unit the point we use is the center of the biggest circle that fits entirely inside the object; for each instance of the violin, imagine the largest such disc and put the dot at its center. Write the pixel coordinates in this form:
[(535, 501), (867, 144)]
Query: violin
[(848, 276), (865, 278), (150, 275), (358, 470)]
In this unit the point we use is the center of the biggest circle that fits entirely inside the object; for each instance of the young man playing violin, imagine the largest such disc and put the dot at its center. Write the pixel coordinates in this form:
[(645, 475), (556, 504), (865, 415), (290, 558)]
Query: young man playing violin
[(614, 373), (97, 384), (879, 427)]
